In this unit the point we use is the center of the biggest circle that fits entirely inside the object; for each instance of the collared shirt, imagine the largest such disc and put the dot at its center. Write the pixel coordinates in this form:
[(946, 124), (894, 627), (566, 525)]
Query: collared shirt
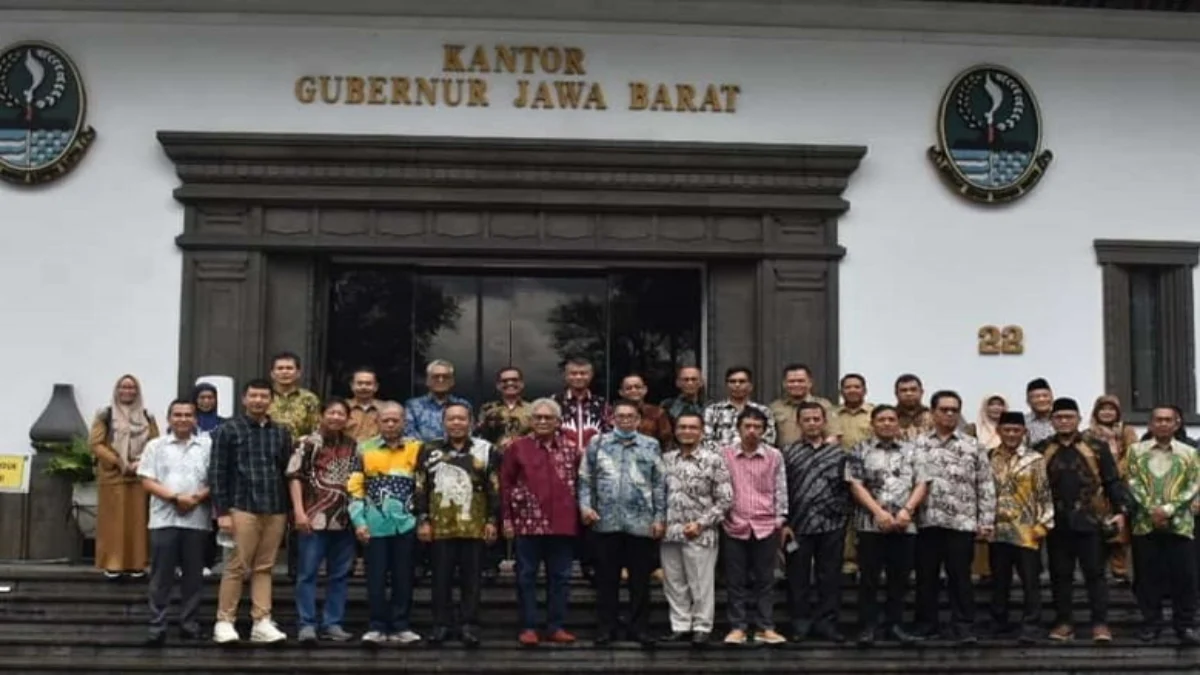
[(720, 423), (583, 417), (364, 419), (656, 424), (624, 483), (247, 464), (1037, 429), (537, 486), (1083, 496), (889, 470), (322, 464), (1024, 506), (458, 490), (423, 419), (787, 423), (1167, 477), (760, 500), (501, 423), (818, 497), (678, 405), (853, 424), (181, 466), (699, 490), (962, 489), (381, 484), (299, 410), (914, 422)]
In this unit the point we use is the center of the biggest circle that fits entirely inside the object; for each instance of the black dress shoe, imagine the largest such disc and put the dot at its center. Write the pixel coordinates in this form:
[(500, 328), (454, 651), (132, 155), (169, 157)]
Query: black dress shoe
[(902, 636), (469, 638), (191, 634), (437, 636), (866, 638), (800, 631), (827, 632), (1029, 635), (700, 639), (156, 639), (677, 636), (1148, 634), (646, 640), (1189, 637)]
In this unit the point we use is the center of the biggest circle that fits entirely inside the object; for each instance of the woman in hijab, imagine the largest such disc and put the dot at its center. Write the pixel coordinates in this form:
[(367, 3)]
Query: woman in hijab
[(118, 435), (1106, 426), (984, 431), (205, 398)]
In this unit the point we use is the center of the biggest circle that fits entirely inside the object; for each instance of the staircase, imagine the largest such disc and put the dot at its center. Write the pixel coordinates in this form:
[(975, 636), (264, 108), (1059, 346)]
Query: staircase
[(59, 619)]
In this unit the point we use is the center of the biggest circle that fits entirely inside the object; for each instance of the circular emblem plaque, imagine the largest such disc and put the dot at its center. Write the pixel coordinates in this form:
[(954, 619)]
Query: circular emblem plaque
[(990, 135), (43, 105)]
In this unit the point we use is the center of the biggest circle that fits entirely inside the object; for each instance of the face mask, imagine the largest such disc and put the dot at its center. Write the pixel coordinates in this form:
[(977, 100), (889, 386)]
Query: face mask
[(624, 435)]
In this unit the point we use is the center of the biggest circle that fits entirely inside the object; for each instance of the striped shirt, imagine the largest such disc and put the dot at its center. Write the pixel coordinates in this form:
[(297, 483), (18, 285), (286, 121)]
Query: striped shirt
[(759, 492), (246, 469), (818, 497)]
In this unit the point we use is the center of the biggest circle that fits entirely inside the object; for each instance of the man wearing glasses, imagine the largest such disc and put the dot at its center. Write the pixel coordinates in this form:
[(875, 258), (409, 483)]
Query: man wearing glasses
[(425, 412), (504, 420), (961, 507), (721, 418)]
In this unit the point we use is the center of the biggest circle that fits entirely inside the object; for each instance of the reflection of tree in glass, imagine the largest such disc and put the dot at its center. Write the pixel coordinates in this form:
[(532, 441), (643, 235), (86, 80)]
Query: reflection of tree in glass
[(435, 311), (580, 329)]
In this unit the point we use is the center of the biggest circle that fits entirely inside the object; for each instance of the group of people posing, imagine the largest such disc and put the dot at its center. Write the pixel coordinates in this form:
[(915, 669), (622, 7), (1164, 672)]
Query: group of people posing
[(687, 490)]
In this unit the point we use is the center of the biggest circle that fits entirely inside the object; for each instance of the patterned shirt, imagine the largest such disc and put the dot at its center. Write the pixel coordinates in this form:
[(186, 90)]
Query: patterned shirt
[(818, 497), (962, 489), (787, 417), (656, 424), (423, 420), (720, 423), (458, 491), (853, 424), (1037, 429), (1082, 495), (699, 490), (914, 422), (501, 424), (537, 487), (181, 466), (583, 417), (678, 405), (299, 410), (381, 485), (889, 470), (1024, 507), (322, 464), (245, 471), (1166, 477), (760, 499), (624, 483), (364, 419)]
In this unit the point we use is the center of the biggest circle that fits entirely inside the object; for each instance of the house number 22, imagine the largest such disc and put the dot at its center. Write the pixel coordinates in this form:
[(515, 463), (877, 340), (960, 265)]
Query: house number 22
[(997, 340)]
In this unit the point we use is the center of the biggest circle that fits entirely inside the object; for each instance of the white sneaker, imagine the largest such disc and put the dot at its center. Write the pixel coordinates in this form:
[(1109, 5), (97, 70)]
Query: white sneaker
[(374, 637), (224, 633), (265, 631), (404, 637)]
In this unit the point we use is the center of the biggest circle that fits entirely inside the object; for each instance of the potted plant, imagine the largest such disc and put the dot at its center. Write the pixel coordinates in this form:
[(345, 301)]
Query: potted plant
[(75, 463)]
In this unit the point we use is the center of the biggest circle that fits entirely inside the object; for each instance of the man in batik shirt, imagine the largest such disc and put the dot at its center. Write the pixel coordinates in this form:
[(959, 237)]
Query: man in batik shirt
[(1037, 423), (585, 414), (506, 419), (296, 409), (960, 508), (720, 418), (797, 388), (364, 407), (888, 485), (623, 499), (424, 414), (457, 502), (818, 506), (655, 422), (699, 494), (689, 382), (1024, 516), (1164, 479), (915, 419)]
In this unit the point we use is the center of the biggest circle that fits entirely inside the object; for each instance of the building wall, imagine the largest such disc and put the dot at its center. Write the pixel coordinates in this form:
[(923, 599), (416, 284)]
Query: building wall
[(93, 290)]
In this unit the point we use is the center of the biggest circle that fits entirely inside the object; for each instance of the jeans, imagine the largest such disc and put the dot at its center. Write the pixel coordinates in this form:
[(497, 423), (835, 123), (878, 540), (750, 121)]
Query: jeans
[(336, 549), (556, 553), (392, 556)]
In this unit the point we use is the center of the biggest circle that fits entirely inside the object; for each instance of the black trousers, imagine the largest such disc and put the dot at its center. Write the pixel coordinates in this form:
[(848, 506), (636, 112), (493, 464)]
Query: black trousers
[(171, 548), (1165, 566), (938, 548), (466, 557), (1027, 562), (750, 580), (1065, 548), (613, 551), (876, 552), (818, 555)]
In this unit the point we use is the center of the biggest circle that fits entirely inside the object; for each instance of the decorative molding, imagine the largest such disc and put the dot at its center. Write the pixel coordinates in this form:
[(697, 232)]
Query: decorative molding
[(1135, 252)]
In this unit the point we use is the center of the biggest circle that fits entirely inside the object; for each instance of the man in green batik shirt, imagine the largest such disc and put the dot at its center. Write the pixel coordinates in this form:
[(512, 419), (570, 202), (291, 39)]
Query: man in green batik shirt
[(295, 408), (1164, 479)]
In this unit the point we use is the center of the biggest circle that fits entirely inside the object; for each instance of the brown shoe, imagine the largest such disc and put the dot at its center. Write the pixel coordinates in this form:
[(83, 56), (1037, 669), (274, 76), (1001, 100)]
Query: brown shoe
[(735, 637), (1101, 633), (1062, 633), (657, 575), (769, 637), (528, 638), (562, 637)]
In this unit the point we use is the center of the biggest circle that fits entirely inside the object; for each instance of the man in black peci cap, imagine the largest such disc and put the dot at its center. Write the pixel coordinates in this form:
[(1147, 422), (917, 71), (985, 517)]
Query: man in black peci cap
[(1089, 506), (1040, 397)]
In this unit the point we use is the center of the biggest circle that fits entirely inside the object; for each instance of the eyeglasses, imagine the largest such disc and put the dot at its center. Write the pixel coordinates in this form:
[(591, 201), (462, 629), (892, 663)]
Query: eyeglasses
[(440, 377), (948, 410)]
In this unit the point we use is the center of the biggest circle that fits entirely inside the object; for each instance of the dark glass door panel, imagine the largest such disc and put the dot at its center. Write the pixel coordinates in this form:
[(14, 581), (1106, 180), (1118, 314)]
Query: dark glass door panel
[(370, 324), (446, 325), (553, 319), (655, 326)]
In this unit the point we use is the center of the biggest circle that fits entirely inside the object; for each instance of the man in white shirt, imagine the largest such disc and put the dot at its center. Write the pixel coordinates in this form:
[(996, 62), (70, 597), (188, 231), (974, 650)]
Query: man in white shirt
[(174, 470)]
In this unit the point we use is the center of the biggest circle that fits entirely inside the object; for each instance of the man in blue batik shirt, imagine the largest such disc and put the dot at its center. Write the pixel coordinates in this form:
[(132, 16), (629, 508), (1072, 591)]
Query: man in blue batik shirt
[(425, 412)]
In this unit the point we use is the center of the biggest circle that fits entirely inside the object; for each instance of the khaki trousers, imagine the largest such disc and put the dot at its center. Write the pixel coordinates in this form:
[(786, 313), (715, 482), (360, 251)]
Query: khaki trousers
[(256, 537)]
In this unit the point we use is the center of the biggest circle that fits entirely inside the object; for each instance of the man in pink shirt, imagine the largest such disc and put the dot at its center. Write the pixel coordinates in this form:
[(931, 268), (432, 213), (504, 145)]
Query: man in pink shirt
[(751, 544)]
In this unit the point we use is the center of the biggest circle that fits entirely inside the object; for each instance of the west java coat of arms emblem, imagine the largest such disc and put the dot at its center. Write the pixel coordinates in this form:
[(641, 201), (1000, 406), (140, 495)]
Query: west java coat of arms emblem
[(43, 105), (990, 136)]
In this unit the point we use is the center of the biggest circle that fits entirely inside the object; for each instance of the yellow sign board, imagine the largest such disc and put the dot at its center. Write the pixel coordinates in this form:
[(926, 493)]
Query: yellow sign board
[(14, 473)]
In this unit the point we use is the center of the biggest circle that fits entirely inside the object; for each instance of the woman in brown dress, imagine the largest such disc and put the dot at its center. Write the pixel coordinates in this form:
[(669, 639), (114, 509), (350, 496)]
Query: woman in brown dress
[(1106, 426), (119, 434), (984, 430)]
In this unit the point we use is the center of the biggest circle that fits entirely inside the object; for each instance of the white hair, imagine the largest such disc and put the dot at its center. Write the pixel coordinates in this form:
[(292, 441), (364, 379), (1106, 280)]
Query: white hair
[(439, 363), (546, 403)]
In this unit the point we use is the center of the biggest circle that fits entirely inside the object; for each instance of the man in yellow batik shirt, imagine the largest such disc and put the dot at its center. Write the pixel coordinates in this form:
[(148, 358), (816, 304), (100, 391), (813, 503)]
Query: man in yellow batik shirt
[(292, 407)]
